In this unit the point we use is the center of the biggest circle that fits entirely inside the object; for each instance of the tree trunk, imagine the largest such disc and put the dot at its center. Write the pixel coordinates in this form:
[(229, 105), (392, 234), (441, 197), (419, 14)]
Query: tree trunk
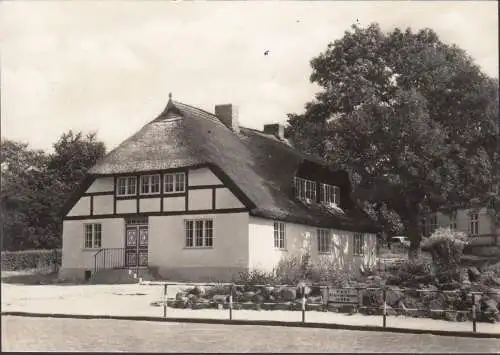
[(413, 232)]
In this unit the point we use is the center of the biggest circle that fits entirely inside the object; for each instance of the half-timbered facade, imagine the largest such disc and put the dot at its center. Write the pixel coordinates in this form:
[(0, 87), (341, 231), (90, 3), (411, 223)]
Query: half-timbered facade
[(198, 197)]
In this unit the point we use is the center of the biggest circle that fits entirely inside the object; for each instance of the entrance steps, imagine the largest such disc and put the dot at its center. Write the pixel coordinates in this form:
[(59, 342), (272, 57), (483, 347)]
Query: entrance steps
[(122, 276)]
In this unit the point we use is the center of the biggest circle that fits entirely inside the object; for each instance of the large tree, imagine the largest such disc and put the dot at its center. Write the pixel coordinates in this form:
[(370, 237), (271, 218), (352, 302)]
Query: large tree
[(413, 119), (35, 186)]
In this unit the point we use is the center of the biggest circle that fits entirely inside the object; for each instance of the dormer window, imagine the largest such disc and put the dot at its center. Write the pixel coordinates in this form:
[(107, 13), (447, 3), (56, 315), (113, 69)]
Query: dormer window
[(329, 194), (305, 189)]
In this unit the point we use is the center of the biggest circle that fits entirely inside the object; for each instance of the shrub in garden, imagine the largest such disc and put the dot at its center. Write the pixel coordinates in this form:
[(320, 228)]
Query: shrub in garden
[(446, 247), (31, 259)]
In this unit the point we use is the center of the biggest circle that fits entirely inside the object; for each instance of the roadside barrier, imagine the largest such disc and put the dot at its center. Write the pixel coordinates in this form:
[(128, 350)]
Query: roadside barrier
[(336, 298)]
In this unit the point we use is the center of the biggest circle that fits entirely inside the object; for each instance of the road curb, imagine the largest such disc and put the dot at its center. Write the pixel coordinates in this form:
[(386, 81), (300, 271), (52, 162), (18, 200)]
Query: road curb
[(261, 322)]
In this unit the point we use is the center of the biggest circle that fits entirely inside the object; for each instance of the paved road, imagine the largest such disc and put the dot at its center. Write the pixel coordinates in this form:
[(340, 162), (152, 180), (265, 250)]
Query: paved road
[(52, 334)]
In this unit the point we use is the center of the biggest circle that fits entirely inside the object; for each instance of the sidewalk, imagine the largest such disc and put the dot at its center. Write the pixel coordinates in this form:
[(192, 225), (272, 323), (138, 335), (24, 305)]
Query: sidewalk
[(134, 301)]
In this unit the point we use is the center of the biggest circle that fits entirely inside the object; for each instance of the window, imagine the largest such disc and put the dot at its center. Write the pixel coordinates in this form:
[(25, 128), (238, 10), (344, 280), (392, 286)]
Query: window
[(92, 236), (305, 189), (199, 233), (453, 220), (175, 182), (279, 235), (127, 186), (358, 244), (150, 184), (432, 223), (324, 241), (474, 223), (329, 194)]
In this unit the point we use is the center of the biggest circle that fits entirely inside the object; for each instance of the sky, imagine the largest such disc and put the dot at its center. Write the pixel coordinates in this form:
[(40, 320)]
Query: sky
[(108, 66)]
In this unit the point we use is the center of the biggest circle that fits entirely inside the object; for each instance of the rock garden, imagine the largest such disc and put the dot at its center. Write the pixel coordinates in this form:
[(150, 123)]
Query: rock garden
[(440, 289)]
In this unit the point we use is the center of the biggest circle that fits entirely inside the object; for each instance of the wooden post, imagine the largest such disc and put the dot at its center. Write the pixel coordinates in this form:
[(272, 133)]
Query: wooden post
[(474, 329), (165, 294), (303, 304), (384, 314), (231, 302)]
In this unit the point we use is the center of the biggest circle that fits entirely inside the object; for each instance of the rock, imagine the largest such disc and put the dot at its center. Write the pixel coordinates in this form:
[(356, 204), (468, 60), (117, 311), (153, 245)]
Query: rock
[(462, 317), (393, 297), (490, 305), (198, 291), (317, 299), (180, 296), (495, 280), (288, 294), (219, 298), (450, 316), (347, 308), (192, 298), (258, 298), (248, 296), (474, 274)]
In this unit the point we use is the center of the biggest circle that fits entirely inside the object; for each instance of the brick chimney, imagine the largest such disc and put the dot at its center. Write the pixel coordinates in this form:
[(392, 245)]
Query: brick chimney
[(228, 114), (276, 129)]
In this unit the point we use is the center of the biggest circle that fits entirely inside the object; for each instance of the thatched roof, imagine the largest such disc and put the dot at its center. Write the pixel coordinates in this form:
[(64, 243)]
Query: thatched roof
[(260, 165)]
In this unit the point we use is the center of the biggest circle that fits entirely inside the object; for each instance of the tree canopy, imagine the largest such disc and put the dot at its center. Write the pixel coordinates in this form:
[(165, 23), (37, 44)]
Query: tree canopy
[(35, 186), (413, 119)]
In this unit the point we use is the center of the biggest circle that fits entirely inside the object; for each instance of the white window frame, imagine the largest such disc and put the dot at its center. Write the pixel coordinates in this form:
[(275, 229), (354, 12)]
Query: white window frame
[(474, 223), (326, 192), (305, 189), (196, 237), (92, 236), (176, 180), (279, 240), (147, 181), (324, 239), (358, 244), (129, 184), (453, 220)]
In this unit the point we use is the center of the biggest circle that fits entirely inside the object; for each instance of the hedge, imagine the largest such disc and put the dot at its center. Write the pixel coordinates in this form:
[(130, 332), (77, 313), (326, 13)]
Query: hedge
[(31, 259)]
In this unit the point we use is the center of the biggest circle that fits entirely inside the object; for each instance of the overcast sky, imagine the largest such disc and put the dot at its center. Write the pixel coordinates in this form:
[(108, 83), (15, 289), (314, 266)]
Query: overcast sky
[(108, 66)]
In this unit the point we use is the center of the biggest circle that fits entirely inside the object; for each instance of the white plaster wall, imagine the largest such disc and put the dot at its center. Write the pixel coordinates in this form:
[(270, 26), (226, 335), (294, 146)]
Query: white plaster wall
[(150, 204), (171, 204), (200, 199), (81, 208), (103, 204), (74, 255), (126, 206), (485, 225), (224, 198), (102, 184), (230, 245), (300, 238), (203, 176)]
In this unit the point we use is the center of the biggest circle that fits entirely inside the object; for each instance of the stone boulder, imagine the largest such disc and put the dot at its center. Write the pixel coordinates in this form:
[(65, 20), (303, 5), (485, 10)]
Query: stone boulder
[(474, 274), (288, 294), (219, 298)]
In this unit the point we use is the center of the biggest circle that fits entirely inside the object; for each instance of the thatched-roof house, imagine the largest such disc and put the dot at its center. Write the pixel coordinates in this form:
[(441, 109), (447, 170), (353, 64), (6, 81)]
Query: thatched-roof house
[(196, 196)]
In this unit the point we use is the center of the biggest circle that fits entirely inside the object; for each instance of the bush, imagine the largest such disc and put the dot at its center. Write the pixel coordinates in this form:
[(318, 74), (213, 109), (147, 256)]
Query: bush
[(256, 277), (446, 247), (294, 269), (30, 259)]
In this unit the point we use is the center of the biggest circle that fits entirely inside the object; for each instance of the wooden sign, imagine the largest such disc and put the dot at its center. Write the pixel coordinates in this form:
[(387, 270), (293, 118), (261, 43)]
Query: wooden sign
[(341, 296)]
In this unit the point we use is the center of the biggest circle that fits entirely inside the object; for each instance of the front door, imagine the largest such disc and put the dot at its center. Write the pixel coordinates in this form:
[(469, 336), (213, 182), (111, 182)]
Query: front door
[(136, 246)]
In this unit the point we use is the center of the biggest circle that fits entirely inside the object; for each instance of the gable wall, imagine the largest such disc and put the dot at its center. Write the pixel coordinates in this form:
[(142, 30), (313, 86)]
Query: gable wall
[(205, 193)]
